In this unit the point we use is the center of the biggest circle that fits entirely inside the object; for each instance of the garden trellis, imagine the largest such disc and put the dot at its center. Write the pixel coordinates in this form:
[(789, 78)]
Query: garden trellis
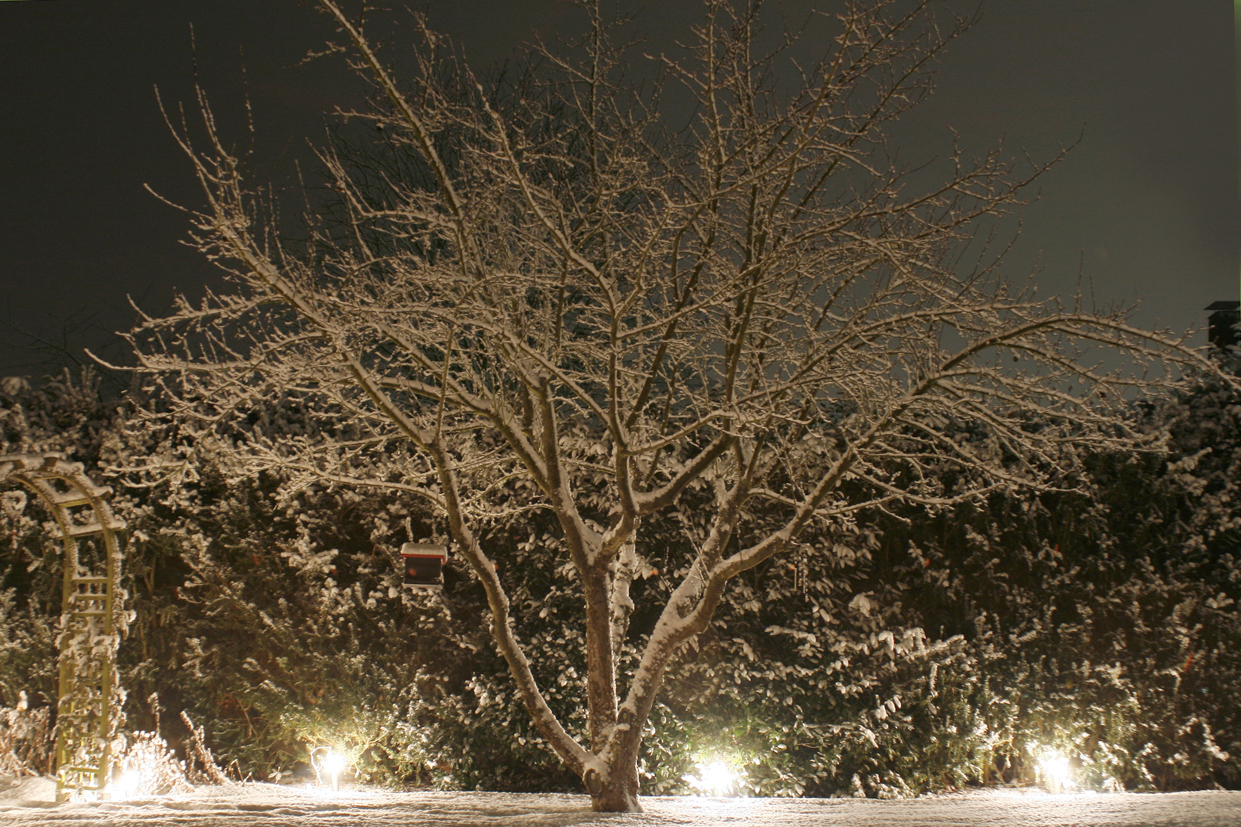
[(550, 294), (92, 616)]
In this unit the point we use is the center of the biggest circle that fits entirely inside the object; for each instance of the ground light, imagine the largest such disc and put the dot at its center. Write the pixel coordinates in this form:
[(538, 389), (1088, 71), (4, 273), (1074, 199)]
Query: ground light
[(146, 767), (1056, 771), (334, 764), (716, 779), (330, 763), (126, 787)]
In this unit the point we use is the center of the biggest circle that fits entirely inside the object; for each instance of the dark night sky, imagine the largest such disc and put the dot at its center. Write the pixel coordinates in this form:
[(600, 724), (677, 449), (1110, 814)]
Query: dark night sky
[(1145, 208)]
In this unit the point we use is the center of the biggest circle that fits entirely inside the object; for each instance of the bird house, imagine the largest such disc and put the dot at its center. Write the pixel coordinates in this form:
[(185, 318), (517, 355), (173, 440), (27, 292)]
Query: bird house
[(424, 565)]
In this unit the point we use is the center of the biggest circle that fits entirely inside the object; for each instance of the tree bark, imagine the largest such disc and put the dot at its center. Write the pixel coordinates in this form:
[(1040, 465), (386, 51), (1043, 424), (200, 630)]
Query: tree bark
[(511, 288), (600, 677), (615, 791)]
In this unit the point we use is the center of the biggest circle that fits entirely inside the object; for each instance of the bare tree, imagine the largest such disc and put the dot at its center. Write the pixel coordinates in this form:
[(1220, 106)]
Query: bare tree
[(564, 286)]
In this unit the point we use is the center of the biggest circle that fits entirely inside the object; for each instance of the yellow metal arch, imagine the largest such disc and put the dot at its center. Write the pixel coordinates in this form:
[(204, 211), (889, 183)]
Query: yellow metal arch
[(92, 618)]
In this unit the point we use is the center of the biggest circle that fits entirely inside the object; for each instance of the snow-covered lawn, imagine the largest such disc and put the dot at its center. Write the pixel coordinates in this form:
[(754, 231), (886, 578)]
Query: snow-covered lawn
[(29, 804)]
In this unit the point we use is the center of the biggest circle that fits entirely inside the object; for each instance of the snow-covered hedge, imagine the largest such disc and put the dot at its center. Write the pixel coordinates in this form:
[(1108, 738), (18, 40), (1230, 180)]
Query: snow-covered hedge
[(909, 651)]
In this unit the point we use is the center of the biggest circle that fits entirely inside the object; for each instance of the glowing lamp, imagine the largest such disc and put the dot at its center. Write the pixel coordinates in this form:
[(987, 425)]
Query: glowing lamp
[(1056, 770), (126, 787), (334, 764), (328, 762), (715, 779)]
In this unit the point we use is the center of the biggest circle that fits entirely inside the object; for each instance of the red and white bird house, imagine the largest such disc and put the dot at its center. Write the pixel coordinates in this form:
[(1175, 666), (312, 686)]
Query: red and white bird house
[(424, 564)]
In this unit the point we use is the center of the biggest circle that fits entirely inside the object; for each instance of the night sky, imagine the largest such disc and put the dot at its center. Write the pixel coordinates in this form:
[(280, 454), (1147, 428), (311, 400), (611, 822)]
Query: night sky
[(1145, 208)]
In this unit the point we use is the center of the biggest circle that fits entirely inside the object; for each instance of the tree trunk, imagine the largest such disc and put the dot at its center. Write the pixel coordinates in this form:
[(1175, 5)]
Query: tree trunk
[(617, 792), (600, 677)]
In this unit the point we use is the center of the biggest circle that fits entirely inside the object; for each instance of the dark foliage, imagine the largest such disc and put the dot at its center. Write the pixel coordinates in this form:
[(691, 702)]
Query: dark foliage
[(915, 651)]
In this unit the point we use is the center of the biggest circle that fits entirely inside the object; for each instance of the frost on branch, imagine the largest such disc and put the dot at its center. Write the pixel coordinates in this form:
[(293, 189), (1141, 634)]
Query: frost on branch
[(549, 292)]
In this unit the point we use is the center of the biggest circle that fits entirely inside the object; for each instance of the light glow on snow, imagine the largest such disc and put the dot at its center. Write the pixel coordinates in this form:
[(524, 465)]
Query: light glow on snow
[(327, 761), (1056, 771), (125, 787), (716, 779), (146, 768), (30, 802)]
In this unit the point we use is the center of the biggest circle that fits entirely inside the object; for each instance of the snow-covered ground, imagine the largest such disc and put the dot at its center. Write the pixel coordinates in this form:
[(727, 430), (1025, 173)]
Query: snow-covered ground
[(30, 804)]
